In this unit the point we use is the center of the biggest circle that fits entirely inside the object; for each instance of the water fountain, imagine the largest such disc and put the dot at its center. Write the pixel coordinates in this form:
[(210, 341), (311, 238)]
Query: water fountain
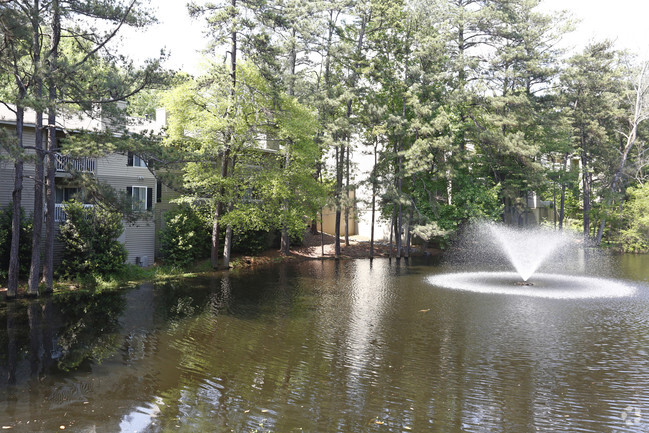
[(528, 250)]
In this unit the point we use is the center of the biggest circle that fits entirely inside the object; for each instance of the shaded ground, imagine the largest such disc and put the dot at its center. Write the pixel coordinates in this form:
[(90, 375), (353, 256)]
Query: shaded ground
[(312, 248)]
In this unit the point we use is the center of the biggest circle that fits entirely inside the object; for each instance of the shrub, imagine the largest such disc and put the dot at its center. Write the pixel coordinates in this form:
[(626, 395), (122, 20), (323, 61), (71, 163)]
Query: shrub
[(89, 237), (25, 248), (185, 236), (251, 242), (635, 220)]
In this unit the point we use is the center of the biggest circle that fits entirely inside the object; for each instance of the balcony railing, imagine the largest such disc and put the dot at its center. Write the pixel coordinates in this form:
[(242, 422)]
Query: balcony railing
[(59, 213), (65, 163)]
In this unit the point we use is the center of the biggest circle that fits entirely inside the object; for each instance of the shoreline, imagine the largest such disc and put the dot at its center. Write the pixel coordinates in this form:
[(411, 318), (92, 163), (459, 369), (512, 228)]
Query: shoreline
[(311, 248)]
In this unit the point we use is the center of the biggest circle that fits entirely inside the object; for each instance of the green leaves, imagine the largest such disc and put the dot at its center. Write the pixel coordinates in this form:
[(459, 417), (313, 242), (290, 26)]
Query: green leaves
[(89, 236)]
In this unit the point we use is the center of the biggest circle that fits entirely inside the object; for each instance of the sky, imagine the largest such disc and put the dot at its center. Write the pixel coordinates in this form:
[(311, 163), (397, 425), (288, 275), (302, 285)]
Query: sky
[(623, 21)]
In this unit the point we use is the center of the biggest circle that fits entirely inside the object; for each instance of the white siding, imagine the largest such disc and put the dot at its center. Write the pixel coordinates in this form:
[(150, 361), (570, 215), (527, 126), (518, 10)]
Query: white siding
[(114, 165), (139, 238)]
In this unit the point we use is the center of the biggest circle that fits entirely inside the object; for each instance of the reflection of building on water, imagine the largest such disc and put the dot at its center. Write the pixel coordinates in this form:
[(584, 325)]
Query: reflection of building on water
[(137, 321), (56, 347), (68, 355)]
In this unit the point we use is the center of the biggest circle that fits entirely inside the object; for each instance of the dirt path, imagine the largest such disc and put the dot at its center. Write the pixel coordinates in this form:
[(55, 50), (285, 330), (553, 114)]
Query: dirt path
[(312, 248)]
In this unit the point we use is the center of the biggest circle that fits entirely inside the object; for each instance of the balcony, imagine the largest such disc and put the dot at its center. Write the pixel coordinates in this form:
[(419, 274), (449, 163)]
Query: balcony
[(65, 164), (59, 214)]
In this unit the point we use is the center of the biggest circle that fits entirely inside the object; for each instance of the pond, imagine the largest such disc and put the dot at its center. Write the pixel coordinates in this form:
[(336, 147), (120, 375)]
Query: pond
[(354, 346)]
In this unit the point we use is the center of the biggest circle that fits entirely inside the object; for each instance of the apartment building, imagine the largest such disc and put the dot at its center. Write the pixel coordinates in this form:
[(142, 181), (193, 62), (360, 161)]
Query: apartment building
[(123, 172)]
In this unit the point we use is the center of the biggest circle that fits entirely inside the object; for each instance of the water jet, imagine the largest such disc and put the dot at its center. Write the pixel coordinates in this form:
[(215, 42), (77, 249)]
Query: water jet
[(526, 251)]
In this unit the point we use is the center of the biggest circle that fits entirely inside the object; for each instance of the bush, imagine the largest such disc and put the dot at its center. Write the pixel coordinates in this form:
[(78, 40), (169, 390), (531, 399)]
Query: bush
[(185, 236), (25, 248), (90, 245), (251, 242), (635, 220)]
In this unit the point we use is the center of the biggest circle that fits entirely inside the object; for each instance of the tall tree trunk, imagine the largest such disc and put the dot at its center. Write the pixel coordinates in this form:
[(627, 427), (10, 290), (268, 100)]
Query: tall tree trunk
[(563, 193), (586, 198), (37, 235), (398, 206), (321, 219), (227, 244), (216, 221), (411, 216), (554, 205), (585, 181), (50, 197), (340, 158), (373, 202), (352, 84), (16, 196), (216, 229), (347, 198), (216, 233), (399, 145), (285, 242), (639, 116), (398, 227), (392, 226), (39, 174)]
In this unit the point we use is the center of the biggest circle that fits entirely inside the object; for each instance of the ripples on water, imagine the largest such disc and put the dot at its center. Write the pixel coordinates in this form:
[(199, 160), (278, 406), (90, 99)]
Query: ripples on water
[(326, 347)]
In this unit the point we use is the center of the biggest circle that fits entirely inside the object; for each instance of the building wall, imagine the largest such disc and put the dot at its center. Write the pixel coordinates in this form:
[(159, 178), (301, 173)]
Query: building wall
[(329, 219), (139, 237), (161, 208)]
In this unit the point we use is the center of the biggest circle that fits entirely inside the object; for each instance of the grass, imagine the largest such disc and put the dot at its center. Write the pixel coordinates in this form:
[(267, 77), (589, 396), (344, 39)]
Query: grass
[(130, 276)]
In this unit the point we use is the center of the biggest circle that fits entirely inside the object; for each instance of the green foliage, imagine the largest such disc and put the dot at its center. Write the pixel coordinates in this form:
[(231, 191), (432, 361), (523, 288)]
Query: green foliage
[(251, 242), (185, 236), (89, 237), (269, 140), (91, 330), (474, 199), (634, 235), (25, 248)]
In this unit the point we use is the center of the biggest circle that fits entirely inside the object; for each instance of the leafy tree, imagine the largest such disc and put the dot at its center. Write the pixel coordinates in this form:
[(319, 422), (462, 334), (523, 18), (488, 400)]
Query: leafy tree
[(56, 55), (89, 237), (185, 236), (24, 254), (636, 114), (256, 185), (17, 76), (634, 234), (592, 88)]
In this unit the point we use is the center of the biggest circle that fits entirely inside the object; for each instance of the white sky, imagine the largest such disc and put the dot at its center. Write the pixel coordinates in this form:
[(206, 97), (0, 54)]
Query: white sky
[(181, 36), (624, 21)]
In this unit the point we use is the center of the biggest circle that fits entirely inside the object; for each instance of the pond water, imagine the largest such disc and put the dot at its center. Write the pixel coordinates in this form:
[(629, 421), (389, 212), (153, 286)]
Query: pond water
[(355, 346)]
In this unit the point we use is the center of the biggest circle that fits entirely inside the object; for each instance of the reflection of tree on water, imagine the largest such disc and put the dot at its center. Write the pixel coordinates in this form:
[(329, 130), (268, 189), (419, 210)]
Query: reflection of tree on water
[(57, 334)]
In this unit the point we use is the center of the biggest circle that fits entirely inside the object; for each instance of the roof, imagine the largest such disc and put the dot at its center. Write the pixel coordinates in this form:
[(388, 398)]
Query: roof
[(76, 121)]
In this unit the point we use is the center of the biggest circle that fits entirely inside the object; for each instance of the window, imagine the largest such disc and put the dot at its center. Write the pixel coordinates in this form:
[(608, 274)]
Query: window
[(135, 161), (138, 162), (158, 192), (139, 198), (142, 197), (67, 194)]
